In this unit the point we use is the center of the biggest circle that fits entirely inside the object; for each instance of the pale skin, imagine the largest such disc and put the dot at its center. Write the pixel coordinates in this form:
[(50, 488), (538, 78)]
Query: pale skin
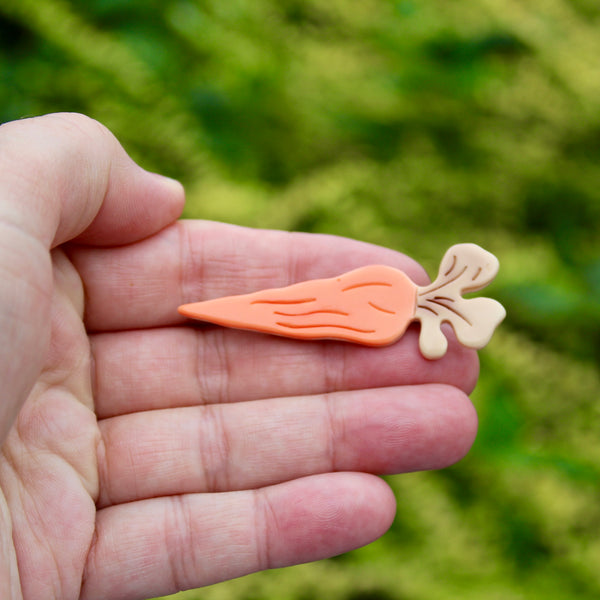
[(142, 455)]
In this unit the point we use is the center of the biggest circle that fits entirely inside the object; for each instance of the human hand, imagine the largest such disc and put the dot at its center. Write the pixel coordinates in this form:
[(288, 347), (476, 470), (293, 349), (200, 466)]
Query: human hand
[(140, 456)]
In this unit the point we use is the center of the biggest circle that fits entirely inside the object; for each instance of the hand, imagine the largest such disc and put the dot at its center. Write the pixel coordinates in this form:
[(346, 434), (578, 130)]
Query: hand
[(142, 455)]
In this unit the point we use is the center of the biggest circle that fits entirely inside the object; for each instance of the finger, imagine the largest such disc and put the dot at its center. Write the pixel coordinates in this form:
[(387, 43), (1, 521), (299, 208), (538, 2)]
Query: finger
[(180, 366), (195, 260), (248, 445), (160, 546), (65, 175)]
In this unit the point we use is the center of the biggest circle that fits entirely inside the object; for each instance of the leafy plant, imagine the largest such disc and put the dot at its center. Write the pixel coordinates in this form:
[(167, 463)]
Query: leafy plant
[(413, 125)]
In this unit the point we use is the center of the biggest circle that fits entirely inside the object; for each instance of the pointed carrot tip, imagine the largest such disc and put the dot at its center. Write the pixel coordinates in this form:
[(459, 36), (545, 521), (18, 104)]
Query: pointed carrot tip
[(185, 310)]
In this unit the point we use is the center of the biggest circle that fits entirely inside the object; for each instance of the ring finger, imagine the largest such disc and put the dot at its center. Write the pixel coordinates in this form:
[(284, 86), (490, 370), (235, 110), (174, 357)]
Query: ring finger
[(248, 445)]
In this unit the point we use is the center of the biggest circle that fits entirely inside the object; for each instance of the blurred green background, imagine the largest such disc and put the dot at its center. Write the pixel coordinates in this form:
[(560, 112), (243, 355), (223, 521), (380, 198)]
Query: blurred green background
[(413, 125)]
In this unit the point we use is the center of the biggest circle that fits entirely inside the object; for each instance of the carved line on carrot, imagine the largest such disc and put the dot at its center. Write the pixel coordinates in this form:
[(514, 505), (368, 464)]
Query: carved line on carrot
[(373, 305), (451, 267), (294, 326), (366, 284), (303, 301), (385, 310), (429, 289), (312, 312), (456, 312)]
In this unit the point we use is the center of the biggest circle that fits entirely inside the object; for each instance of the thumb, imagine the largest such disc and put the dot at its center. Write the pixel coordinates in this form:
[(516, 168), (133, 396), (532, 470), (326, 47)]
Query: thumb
[(62, 177), (65, 176)]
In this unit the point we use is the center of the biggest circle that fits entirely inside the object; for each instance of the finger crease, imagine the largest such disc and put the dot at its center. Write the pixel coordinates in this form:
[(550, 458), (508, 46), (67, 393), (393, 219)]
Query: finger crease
[(334, 367), (181, 564), (266, 528), (332, 426), (215, 449), (225, 367), (200, 369)]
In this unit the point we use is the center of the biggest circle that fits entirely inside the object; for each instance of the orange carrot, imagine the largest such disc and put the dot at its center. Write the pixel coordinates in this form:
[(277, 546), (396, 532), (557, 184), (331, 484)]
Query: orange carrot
[(371, 305)]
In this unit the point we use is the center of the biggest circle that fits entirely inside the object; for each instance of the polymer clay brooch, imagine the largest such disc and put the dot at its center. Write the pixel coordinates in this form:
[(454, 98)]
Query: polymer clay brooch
[(372, 305)]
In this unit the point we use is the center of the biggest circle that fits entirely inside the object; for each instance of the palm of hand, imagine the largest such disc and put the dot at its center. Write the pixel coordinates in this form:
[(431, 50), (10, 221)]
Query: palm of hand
[(48, 467), (148, 457)]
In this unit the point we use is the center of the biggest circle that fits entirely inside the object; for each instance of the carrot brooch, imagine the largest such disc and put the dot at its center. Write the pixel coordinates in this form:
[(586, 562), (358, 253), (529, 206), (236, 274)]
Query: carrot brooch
[(372, 305)]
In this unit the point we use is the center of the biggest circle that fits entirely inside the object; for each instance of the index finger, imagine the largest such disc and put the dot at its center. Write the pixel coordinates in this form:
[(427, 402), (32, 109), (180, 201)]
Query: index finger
[(142, 285)]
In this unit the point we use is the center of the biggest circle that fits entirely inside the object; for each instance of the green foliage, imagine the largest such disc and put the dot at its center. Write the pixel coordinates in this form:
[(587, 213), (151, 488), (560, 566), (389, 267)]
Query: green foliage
[(409, 124)]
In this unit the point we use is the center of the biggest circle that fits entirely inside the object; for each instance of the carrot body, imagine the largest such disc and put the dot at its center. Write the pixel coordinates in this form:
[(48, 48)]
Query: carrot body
[(371, 305)]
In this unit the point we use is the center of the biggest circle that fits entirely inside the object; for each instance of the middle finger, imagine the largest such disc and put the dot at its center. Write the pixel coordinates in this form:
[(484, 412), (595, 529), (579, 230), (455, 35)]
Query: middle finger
[(185, 366)]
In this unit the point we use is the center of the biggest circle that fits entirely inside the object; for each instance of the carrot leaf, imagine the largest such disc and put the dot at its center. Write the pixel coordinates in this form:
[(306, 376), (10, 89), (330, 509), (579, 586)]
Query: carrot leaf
[(464, 268)]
